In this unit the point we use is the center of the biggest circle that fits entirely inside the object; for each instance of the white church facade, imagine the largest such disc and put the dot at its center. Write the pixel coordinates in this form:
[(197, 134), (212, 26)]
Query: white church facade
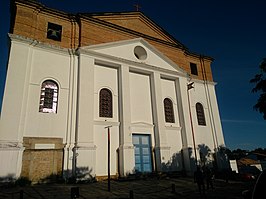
[(70, 77)]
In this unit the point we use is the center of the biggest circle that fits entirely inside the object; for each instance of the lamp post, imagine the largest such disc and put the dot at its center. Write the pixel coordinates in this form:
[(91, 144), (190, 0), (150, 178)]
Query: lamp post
[(108, 146), (190, 86)]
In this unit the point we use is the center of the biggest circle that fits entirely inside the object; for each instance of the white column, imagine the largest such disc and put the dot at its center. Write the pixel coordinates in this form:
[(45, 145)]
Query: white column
[(86, 149), (71, 123), (187, 138), (126, 148), (162, 150)]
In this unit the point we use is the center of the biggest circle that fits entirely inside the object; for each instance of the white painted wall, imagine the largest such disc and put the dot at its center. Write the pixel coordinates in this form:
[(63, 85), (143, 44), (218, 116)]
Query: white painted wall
[(16, 79), (169, 91), (233, 165), (28, 67), (11, 162), (140, 98), (106, 77), (101, 142), (203, 134), (47, 65), (80, 80), (125, 50), (216, 117), (173, 130)]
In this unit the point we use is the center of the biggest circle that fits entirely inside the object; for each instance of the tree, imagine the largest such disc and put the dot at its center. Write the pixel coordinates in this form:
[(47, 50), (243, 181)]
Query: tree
[(205, 153), (239, 153), (260, 87), (259, 150)]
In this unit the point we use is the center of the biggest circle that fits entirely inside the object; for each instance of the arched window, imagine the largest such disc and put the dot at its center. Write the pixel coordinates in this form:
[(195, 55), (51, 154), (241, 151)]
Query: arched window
[(168, 110), (106, 103), (49, 97), (200, 114)]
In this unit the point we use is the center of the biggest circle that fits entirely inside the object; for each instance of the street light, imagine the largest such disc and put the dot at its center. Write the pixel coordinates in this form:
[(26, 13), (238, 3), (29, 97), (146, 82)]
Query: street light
[(190, 86), (108, 132)]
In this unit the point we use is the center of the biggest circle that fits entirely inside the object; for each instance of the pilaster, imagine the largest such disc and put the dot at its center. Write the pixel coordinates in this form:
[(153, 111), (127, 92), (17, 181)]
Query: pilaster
[(84, 151), (162, 150), (85, 101), (126, 148)]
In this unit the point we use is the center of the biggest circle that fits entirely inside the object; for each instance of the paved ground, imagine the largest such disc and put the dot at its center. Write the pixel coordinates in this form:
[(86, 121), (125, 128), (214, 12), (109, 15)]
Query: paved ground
[(152, 188)]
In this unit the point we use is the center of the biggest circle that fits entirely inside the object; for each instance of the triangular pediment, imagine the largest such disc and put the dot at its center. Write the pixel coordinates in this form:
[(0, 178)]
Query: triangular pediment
[(137, 22), (135, 51)]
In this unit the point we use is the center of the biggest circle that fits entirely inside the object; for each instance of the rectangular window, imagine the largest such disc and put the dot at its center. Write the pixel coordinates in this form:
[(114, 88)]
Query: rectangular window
[(193, 69), (54, 31)]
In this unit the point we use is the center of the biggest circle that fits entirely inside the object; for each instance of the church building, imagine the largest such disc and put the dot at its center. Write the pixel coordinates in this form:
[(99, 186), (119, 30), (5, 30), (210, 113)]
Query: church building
[(72, 79)]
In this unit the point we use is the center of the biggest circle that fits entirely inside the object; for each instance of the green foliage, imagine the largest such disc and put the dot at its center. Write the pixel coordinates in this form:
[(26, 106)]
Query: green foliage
[(260, 87), (240, 153), (205, 153), (260, 150)]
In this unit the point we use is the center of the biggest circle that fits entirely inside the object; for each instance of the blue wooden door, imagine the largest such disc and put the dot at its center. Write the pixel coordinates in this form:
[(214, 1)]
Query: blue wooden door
[(142, 153)]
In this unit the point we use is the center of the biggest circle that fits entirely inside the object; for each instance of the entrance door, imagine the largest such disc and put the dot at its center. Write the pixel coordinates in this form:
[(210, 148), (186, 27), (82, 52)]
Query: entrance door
[(142, 153)]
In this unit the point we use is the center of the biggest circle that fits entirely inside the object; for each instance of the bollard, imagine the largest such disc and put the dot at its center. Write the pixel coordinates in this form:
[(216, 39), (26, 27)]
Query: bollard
[(21, 194), (74, 192), (131, 195), (173, 188)]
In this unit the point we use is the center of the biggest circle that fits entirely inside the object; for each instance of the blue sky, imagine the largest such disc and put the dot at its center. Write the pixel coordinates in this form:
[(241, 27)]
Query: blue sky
[(232, 32)]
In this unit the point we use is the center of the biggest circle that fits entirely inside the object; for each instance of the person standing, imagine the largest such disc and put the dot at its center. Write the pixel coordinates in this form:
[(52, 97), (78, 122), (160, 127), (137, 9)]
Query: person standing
[(209, 177), (199, 179)]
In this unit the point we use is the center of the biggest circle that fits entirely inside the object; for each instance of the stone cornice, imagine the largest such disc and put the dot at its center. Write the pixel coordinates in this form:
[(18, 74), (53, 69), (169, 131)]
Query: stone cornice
[(36, 43), (138, 66), (10, 145)]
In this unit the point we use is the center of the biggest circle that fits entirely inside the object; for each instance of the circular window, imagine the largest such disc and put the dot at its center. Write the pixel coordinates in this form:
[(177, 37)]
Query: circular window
[(140, 53)]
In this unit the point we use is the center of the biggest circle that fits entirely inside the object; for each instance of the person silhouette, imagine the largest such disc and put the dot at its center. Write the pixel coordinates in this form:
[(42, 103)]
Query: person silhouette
[(209, 177), (199, 179)]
